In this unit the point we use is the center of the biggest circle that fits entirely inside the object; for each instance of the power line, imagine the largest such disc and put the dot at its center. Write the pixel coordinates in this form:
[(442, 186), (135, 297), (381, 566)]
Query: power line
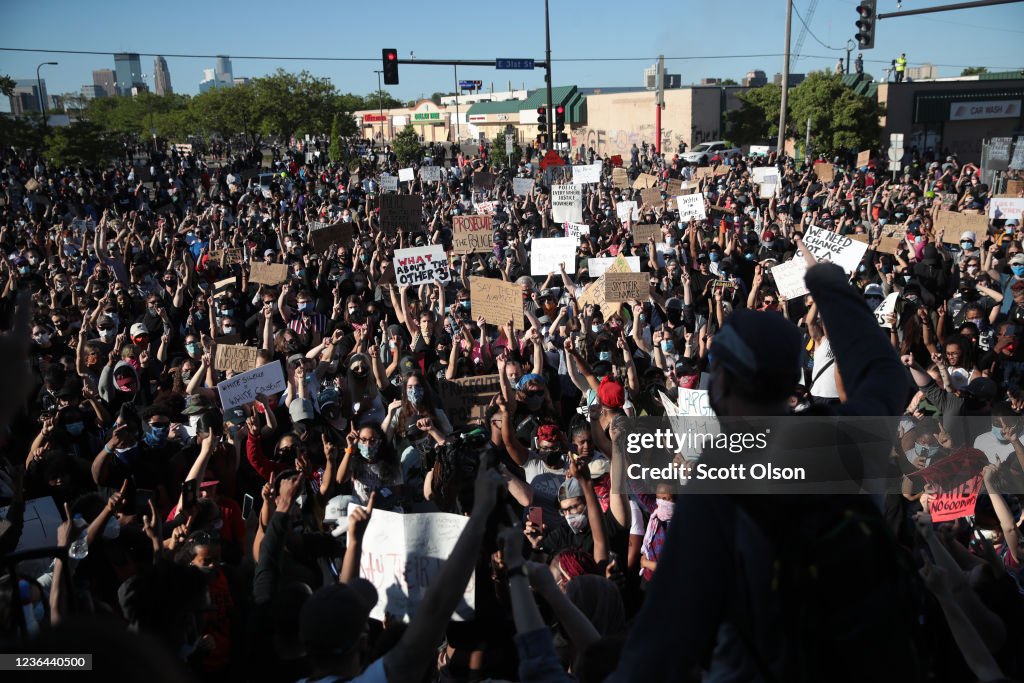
[(816, 39)]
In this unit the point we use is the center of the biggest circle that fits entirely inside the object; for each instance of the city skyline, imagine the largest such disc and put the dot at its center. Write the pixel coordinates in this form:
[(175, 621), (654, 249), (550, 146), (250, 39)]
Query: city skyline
[(758, 46)]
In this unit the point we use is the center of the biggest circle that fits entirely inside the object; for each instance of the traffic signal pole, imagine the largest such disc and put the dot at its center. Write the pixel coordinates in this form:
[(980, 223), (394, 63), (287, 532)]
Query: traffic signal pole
[(946, 8), (547, 75)]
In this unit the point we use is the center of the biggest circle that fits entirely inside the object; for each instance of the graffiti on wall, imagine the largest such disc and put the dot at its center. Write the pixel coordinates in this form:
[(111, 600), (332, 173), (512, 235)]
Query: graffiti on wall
[(700, 135), (621, 141)]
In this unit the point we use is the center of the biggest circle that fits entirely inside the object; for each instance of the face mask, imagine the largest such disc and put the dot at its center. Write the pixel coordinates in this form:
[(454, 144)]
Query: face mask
[(360, 373), (415, 394), (926, 451), (186, 375), (749, 256), (769, 244), (227, 312), (74, 428), (664, 509), (713, 257), (24, 270), (534, 402), (42, 338), (292, 347), (127, 455), (301, 273), (367, 451), (883, 221), (667, 346), (1018, 270), (305, 307), (464, 305), (106, 335), (229, 329), (997, 432), (967, 246), (972, 270), (112, 529), (192, 348), (156, 436), (604, 355), (577, 522), (670, 241), (596, 329), (919, 239)]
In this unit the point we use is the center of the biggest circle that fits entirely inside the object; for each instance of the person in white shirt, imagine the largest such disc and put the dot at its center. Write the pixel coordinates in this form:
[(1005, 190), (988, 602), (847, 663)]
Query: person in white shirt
[(997, 444)]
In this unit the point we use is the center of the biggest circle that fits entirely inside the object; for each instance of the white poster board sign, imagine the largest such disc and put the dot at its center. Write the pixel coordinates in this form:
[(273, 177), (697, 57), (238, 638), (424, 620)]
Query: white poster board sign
[(430, 174), (406, 175), (767, 190), (691, 207), (576, 230), (245, 387), (841, 250), (759, 150), (522, 186), (419, 265), (627, 211), (1005, 207), (760, 174), (401, 556), (588, 173), (548, 253), (887, 307), (596, 267), (567, 203), (389, 183), (789, 278)]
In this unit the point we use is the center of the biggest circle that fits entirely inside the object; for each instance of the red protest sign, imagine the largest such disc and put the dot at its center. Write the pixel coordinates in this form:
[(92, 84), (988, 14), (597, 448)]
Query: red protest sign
[(551, 159), (957, 478), (617, 160), (956, 502)]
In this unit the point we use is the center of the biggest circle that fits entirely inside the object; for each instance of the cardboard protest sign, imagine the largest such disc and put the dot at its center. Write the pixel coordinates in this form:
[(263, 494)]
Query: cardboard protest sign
[(594, 294), (236, 358), (835, 248), (472, 234), (691, 207), (885, 309), (643, 232), (1015, 187), (548, 253), (951, 224), (622, 287), (596, 267), (496, 300), (567, 203), (644, 181), (1005, 207), (244, 388), (576, 230), (620, 179), (651, 197), (627, 211), (267, 273), (675, 186), (465, 400), (892, 236), (419, 265), (825, 172), (389, 183), (227, 256), (220, 285), (522, 186), (486, 208), (402, 554), (406, 175), (401, 212), (958, 480), (483, 180), (588, 173), (789, 278), (323, 236), (31, 185), (864, 158), (430, 174)]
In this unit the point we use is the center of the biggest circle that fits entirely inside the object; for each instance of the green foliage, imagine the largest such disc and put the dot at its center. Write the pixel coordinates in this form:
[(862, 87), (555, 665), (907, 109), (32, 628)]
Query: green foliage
[(727, 81), (82, 142), (7, 85), (294, 104), (497, 156), (381, 98), (21, 132), (227, 112), (757, 120), (407, 146), (336, 148), (974, 71)]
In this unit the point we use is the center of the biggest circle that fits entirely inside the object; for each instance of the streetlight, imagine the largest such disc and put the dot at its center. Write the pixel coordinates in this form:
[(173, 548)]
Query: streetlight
[(39, 88), (380, 100)]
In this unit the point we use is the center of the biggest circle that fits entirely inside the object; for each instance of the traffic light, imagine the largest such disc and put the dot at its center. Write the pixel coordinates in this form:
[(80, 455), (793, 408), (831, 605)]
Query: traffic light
[(542, 119), (390, 66), (559, 119), (866, 18)]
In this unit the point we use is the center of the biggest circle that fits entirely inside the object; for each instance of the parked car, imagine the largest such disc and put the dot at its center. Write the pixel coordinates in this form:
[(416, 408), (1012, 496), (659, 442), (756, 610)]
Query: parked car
[(706, 151)]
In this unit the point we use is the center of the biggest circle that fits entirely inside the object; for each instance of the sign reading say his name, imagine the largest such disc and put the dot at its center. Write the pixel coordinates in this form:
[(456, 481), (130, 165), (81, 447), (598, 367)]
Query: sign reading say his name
[(418, 265), (496, 300), (244, 388), (389, 183), (643, 232), (471, 234), (267, 273), (401, 212), (622, 287), (567, 203), (547, 254), (589, 173), (691, 207), (522, 186), (835, 248), (401, 556), (234, 357)]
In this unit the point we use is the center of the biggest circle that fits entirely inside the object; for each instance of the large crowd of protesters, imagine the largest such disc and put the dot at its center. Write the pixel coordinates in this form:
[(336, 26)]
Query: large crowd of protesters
[(217, 544)]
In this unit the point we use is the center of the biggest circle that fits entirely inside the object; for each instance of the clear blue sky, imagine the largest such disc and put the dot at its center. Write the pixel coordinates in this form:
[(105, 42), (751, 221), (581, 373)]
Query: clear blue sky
[(992, 37)]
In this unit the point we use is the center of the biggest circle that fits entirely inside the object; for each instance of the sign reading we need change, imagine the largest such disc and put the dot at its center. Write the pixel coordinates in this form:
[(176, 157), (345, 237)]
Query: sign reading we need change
[(420, 265), (831, 246)]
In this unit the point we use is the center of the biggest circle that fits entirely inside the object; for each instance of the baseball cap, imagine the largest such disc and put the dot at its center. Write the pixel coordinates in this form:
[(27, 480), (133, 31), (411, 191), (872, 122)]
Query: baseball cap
[(334, 617), (234, 415), (300, 409), (982, 388), (139, 330), (336, 514), (570, 488), (874, 290), (196, 404), (530, 377), (406, 366), (599, 466)]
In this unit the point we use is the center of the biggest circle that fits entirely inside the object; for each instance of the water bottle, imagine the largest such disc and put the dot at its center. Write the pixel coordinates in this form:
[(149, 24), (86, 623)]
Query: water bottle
[(79, 549)]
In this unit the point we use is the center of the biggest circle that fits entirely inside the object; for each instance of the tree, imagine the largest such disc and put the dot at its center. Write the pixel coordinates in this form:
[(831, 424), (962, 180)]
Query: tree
[(728, 81), (7, 85), (974, 71), (757, 119), (81, 143), (18, 131), (497, 156), (336, 148), (291, 104), (407, 146), (841, 120), (227, 112), (381, 98)]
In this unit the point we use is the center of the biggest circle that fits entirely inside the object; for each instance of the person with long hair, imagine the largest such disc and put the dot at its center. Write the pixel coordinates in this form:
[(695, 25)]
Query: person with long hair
[(371, 465)]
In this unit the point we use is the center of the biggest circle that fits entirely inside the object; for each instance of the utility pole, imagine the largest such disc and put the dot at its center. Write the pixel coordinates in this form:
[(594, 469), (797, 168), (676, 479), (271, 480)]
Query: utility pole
[(807, 142), (780, 144), (380, 103), (456, 68), (659, 103), (547, 57)]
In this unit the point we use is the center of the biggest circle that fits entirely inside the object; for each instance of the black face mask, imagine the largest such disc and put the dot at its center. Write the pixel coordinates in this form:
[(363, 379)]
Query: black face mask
[(553, 458), (292, 347)]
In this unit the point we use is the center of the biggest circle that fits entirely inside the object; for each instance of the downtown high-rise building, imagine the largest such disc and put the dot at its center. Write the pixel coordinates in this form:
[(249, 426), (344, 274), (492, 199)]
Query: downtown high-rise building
[(223, 73), (161, 77), (26, 96), (128, 72), (104, 83)]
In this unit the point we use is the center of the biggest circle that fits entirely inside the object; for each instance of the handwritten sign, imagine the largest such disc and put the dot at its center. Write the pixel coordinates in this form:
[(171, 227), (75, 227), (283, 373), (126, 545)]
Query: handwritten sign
[(588, 173), (767, 190), (486, 208), (789, 278), (958, 480), (643, 232), (268, 273), (465, 400), (1005, 207), (389, 183), (567, 203), (651, 197), (235, 358), (825, 172), (691, 207), (620, 179), (227, 256), (430, 174), (548, 253), (864, 158), (419, 265), (471, 234), (622, 287), (496, 300), (577, 230), (890, 239), (951, 224), (402, 554), (244, 388), (831, 246), (644, 181), (627, 211), (593, 295), (323, 236), (406, 175), (522, 186), (401, 212), (695, 403), (885, 309), (597, 267)]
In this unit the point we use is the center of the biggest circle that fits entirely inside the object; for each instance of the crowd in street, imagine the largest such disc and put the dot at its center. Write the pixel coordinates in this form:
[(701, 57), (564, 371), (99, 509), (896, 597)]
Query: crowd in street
[(216, 542)]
